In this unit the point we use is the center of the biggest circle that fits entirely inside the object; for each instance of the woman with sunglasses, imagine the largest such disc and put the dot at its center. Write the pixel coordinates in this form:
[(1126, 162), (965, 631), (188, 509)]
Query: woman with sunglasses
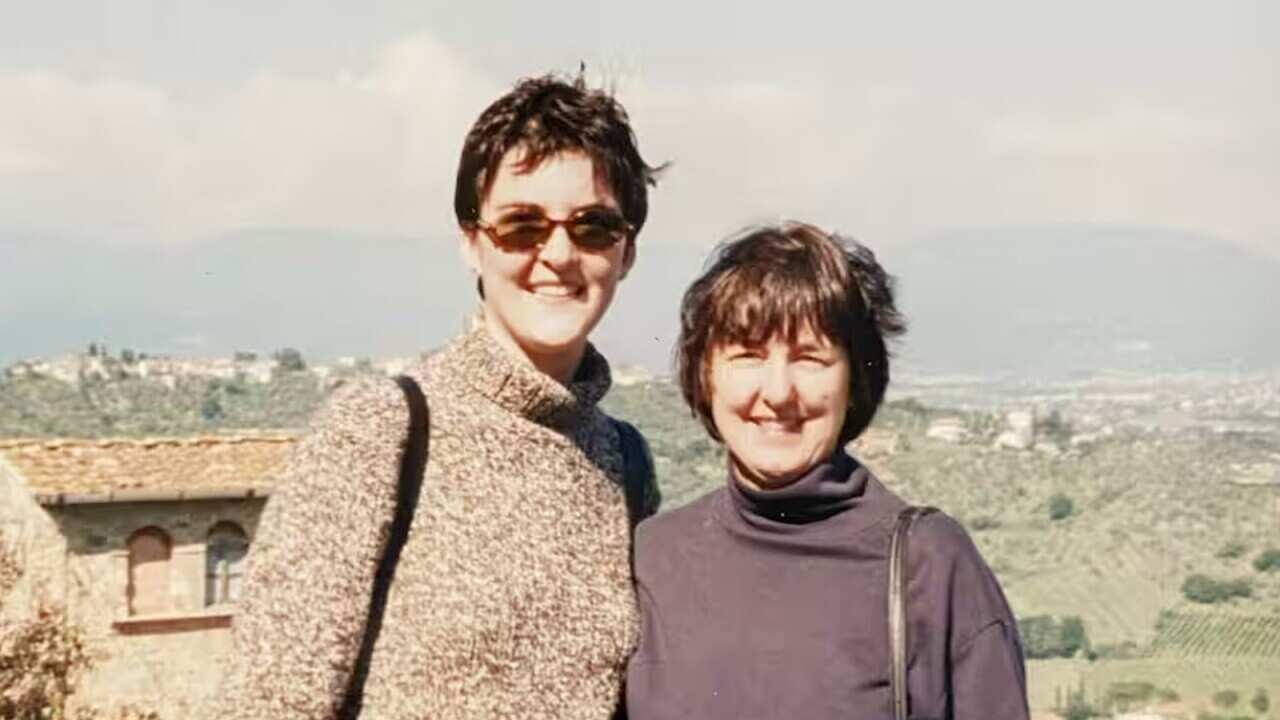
[(512, 596)]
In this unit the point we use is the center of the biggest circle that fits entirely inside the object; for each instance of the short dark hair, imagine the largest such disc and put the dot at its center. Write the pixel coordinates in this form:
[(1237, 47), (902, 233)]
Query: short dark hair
[(775, 280), (545, 116)]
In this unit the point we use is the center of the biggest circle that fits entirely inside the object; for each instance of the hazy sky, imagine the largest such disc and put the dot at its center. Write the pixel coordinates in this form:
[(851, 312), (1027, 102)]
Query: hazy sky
[(171, 121)]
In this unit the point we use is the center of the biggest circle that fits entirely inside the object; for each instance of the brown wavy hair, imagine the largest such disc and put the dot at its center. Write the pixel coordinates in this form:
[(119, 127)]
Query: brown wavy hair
[(774, 281)]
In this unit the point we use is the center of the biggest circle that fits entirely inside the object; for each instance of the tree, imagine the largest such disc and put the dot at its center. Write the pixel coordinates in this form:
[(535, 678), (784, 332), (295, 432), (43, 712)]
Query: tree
[(1267, 560), (1055, 429), (1039, 636), (290, 360), (211, 409), (1045, 636), (1060, 507), (1072, 637)]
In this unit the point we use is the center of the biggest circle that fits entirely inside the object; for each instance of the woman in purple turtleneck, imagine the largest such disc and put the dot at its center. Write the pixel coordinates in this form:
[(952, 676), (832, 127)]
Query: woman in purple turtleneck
[(768, 598)]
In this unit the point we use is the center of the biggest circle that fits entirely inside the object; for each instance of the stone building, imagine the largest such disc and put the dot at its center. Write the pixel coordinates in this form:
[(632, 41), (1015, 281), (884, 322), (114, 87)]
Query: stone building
[(143, 542)]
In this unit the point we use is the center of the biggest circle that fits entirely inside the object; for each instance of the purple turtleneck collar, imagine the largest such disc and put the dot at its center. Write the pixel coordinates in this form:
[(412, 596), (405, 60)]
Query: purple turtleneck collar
[(827, 489)]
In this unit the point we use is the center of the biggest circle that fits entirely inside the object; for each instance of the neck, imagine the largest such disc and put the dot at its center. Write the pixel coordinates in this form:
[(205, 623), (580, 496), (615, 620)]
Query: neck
[(826, 489), (755, 481), (560, 365)]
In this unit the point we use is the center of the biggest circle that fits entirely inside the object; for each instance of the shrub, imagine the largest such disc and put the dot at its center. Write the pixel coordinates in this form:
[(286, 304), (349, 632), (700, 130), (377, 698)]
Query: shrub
[(1078, 707), (40, 658), (1126, 650), (1267, 560), (1044, 636), (1127, 694), (983, 522), (1203, 589), (1230, 551), (1261, 701), (1226, 698), (1060, 507), (1167, 695)]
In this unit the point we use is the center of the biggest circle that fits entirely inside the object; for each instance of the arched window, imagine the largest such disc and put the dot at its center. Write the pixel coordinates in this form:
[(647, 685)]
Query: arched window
[(224, 563), (150, 550)]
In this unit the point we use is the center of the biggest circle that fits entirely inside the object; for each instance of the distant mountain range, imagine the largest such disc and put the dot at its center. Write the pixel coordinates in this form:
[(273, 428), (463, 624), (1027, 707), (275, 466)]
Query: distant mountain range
[(1019, 302), (1067, 300)]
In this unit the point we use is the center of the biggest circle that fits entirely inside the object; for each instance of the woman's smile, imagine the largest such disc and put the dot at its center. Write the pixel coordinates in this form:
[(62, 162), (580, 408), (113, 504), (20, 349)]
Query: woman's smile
[(556, 291), (779, 405)]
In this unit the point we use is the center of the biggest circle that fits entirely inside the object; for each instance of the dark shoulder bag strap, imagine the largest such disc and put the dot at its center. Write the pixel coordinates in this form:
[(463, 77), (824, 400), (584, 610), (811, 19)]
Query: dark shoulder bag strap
[(641, 490), (898, 607), (638, 481), (412, 465)]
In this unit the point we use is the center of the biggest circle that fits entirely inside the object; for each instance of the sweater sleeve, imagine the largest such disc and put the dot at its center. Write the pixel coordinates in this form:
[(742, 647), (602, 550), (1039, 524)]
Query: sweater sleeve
[(311, 567), (988, 676), (966, 637)]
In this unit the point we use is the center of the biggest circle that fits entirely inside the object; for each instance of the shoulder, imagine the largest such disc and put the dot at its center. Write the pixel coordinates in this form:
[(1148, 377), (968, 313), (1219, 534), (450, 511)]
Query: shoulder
[(953, 566), (371, 409), (939, 541), (659, 538), (941, 535), (355, 438)]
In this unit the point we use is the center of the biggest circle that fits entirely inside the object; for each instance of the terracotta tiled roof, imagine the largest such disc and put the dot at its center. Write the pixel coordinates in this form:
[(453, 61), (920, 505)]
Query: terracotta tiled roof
[(163, 465)]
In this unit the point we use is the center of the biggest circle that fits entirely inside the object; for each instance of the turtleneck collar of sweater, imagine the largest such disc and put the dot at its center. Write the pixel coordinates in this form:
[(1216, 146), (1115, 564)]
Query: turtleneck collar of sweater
[(836, 487), (512, 382)]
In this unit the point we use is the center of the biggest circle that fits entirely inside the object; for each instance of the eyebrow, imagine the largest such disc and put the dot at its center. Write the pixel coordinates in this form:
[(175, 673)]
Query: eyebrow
[(575, 211), (813, 347)]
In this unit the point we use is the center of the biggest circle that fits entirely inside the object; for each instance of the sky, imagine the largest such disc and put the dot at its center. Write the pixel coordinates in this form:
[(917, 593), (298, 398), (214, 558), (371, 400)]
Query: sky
[(168, 124)]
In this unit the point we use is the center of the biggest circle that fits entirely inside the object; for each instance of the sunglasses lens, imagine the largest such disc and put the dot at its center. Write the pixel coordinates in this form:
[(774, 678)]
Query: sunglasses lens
[(598, 231), (522, 234)]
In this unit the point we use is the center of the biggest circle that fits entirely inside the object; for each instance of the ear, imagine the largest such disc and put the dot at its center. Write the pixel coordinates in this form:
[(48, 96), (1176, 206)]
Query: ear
[(628, 257), (469, 249)]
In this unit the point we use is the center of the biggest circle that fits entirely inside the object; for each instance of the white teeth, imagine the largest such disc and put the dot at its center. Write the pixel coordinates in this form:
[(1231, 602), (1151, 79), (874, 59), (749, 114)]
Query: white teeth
[(555, 290), (775, 426)]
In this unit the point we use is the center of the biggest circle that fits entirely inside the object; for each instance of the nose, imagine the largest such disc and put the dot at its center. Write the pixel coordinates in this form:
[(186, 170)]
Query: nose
[(558, 250), (777, 388)]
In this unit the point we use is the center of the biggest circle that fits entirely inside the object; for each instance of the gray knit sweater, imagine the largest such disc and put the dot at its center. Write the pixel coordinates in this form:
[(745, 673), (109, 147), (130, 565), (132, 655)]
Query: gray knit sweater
[(513, 594)]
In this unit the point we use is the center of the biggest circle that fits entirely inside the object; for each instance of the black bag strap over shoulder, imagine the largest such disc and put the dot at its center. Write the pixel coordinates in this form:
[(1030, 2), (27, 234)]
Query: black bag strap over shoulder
[(898, 607), (409, 486), (638, 481)]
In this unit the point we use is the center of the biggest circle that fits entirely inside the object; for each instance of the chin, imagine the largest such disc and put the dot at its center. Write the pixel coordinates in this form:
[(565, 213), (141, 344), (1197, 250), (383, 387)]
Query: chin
[(555, 339), (773, 474)]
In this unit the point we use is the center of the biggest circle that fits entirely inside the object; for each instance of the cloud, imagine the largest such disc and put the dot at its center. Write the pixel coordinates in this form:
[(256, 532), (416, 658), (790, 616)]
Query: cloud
[(371, 149), (883, 152), (892, 161)]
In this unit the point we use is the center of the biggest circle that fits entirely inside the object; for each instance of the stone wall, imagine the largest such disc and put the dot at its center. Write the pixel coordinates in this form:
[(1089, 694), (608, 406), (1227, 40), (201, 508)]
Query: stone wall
[(36, 544), (169, 661)]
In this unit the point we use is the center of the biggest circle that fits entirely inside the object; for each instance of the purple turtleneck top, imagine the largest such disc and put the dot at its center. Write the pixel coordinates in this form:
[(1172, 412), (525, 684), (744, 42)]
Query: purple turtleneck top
[(773, 604)]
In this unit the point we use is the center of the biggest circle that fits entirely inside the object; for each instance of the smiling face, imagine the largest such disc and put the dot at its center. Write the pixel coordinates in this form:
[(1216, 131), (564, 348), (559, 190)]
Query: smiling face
[(544, 301), (779, 406)]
